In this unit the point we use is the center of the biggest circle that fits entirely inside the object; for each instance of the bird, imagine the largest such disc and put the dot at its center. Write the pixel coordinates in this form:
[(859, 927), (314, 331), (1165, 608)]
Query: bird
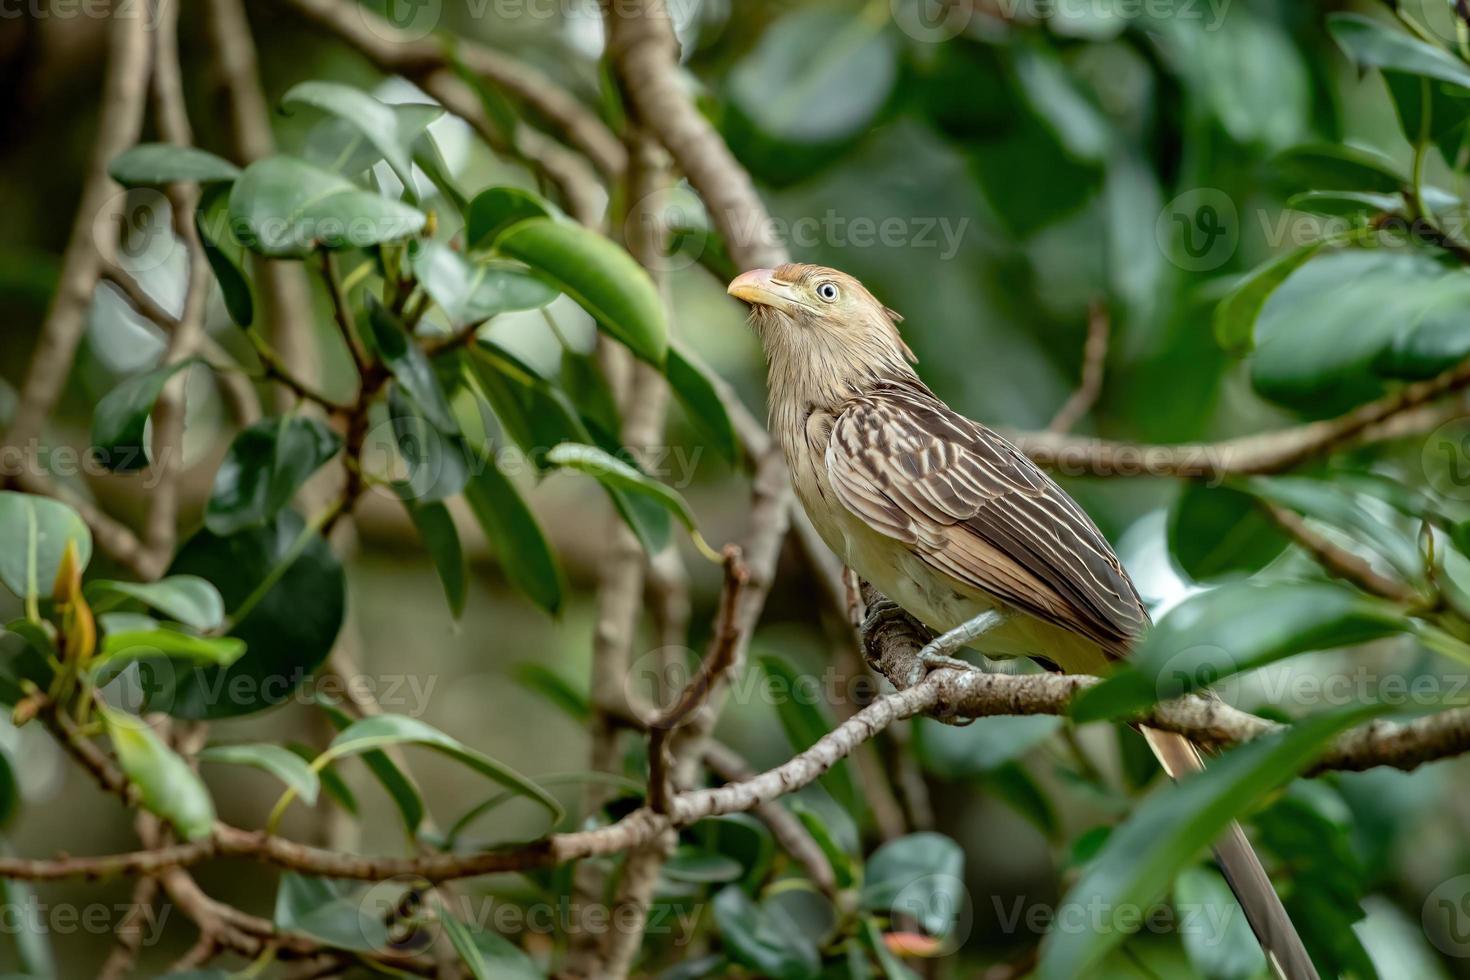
[(955, 525)]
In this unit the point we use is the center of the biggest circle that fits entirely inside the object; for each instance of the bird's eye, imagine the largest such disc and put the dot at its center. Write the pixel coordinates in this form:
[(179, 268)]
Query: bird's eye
[(827, 292)]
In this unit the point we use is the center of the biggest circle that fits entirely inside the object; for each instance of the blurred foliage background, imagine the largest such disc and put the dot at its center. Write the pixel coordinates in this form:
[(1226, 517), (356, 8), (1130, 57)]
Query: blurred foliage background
[(993, 175)]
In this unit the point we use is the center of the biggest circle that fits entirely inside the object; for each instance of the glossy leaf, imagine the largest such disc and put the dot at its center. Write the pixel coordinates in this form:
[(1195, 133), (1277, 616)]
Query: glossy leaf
[(120, 420), (472, 292), (1374, 44), (1213, 929), (160, 164), (1220, 531), (602, 278), (441, 540), (340, 914), (1234, 628), (1338, 167), (166, 784), (288, 631), (390, 130), (33, 535), (697, 393), (615, 473), (1342, 326), (495, 209), (139, 637), (1235, 316), (409, 365), (395, 782), (277, 760), (920, 876), (381, 731), (463, 942), (286, 208), (186, 598), (227, 256), (512, 530), (767, 942), (438, 462), (264, 467), (1168, 830)]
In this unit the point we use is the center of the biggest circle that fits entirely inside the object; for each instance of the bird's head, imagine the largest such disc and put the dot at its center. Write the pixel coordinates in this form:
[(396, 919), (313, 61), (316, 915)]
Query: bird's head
[(820, 321)]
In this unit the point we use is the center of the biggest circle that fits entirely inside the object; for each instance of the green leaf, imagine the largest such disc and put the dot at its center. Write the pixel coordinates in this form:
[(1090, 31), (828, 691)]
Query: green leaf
[(464, 944), (1348, 204), (166, 784), (395, 782), (1169, 829), (438, 461), (920, 876), (1216, 936), (120, 420), (697, 867), (533, 413), (1341, 327), (441, 540), (1220, 531), (1235, 316), (186, 598), (473, 292), (846, 869), (288, 631), (33, 534), (843, 62), (380, 731), (286, 208), (697, 393), (277, 760), (389, 129), (601, 277), (1234, 628), (770, 944), (1338, 167), (160, 164), (614, 473), (409, 365), (495, 209), (1447, 107), (135, 640), (525, 555), (266, 464), (340, 914), (1373, 44), (32, 946), (804, 722), (431, 161), (226, 255)]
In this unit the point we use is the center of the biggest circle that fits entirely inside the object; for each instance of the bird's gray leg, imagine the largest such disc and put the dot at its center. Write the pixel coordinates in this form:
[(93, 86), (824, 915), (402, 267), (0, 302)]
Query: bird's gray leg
[(936, 653)]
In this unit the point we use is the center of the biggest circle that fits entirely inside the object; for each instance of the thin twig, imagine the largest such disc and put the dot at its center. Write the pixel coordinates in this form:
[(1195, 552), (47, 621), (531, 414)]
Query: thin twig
[(717, 661), (1094, 363), (1339, 561)]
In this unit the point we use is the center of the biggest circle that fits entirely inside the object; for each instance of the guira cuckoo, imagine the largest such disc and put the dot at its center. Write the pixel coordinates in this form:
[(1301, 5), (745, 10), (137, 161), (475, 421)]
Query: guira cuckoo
[(955, 524)]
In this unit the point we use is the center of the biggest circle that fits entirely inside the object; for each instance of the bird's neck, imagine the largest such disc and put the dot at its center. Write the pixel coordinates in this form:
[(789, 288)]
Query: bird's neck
[(812, 371)]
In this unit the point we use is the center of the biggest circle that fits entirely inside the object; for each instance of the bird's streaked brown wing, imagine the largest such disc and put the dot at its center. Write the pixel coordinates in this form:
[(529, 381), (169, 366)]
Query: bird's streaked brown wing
[(974, 507)]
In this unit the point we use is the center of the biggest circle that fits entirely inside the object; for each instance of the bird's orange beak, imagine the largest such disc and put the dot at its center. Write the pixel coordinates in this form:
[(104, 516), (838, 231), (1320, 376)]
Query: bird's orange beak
[(761, 287)]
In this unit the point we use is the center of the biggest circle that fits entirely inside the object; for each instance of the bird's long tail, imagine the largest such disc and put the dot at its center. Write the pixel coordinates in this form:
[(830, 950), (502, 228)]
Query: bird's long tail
[(1247, 879)]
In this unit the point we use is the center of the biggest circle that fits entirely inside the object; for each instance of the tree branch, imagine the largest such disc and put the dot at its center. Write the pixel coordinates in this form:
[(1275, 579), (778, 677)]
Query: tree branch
[(1094, 363)]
